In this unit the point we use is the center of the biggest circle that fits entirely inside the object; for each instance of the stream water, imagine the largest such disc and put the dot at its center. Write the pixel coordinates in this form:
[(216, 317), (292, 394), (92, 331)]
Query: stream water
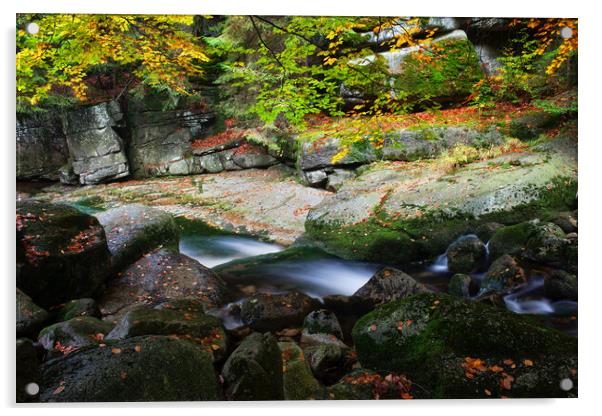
[(248, 266)]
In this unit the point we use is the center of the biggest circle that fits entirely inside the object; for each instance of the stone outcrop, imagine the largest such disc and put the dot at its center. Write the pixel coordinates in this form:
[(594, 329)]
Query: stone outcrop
[(41, 147), (96, 151)]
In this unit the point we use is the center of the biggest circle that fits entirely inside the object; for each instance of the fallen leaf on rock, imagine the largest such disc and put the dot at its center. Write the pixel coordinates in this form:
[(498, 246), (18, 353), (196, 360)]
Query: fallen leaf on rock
[(528, 362), (59, 390), (116, 350)]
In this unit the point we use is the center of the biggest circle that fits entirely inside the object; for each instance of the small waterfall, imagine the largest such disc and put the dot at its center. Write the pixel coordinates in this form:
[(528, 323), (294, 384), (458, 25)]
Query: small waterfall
[(440, 264)]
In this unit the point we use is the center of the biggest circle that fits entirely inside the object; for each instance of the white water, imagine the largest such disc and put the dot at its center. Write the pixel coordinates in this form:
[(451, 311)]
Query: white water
[(540, 306), (323, 277), (212, 251)]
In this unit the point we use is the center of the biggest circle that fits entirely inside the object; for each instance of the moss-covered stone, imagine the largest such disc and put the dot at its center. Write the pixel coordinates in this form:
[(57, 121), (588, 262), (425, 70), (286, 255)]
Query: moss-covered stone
[(510, 240), (62, 253), (459, 285), (254, 370), (503, 275), (78, 307), (298, 381), (74, 333), (323, 321), (434, 339), (205, 330), (139, 369), (402, 215), (328, 362)]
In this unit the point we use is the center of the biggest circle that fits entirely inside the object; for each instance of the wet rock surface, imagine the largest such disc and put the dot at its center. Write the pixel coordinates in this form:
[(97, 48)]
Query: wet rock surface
[(465, 255), (134, 230), (73, 334), (62, 253), (386, 285), (169, 369), (29, 316), (269, 312), (161, 275), (78, 307), (516, 356)]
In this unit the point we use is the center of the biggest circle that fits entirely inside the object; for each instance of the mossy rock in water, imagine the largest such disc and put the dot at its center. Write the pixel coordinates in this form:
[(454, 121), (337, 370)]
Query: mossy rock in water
[(459, 285), (503, 275), (205, 330), (398, 215), (62, 253), (298, 380), (134, 230), (254, 370), (74, 333), (140, 369), (511, 239), (435, 340)]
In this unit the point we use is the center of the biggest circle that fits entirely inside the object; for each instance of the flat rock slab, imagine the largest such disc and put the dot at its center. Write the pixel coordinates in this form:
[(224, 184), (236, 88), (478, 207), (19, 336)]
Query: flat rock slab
[(266, 203), (401, 212)]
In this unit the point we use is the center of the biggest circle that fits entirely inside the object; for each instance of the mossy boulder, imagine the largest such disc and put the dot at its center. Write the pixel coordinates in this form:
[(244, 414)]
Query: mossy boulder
[(465, 255), (356, 385), (134, 230), (548, 245), (459, 285), (205, 330), (328, 362), (30, 318), (560, 285), (74, 333), (511, 239), (271, 312), (62, 253), (398, 214), (254, 370), (78, 307), (139, 369), (435, 340), (298, 380)]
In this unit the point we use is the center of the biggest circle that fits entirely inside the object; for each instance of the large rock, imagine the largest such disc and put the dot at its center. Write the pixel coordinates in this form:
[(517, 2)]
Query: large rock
[(271, 312), (254, 370), (463, 349), (140, 369), (62, 253), (41, 146), (323, 321), (74, 333), (161, 275), (29, 316), (400, 214), (428, 143), (548, 245), (561, 285), (161, 140), (298, 381), (386, 285), (96, 151), (134, 230), (328, 362), (318, 154), (205, 330), (510, 240), (465, 255)]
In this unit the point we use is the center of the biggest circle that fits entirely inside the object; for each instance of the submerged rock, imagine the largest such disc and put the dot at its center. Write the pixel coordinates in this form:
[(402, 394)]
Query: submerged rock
[(78, 307), (74, 333), (465, 255), (62, 253), (458, 348), (140, 369), (161, 275), (29, 316), (134, 230), (254, 370), (386, 285), (271, 312), (401, 214)]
